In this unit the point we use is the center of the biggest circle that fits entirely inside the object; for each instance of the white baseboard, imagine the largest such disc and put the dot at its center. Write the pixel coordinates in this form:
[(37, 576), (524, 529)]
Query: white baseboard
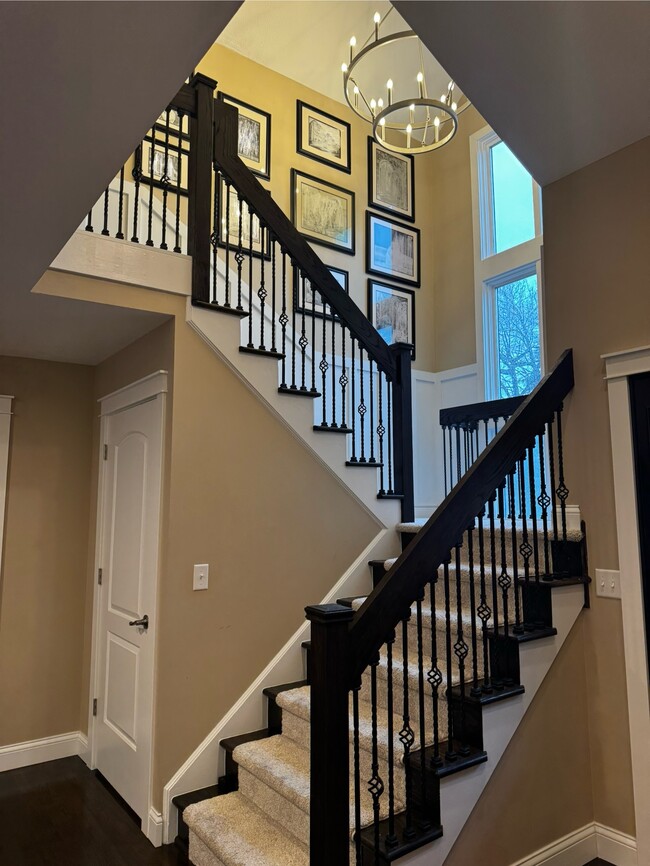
[(47, 749), (155, 827), (584, 845)]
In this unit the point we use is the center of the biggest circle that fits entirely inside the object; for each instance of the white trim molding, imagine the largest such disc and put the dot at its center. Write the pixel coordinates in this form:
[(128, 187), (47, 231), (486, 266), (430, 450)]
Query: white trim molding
[(584, 845), (154, 831), (39, 751), (137, 392), (5, 434), (619, 366)]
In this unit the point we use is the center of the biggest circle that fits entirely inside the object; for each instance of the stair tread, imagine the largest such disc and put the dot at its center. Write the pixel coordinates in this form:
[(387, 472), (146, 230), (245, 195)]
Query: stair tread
[(239, 834)]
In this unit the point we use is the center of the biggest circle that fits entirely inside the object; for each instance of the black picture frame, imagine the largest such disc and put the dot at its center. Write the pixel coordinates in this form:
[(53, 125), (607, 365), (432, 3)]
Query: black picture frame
[(344, 161), (318, 308), (349, 245), (155, 144), (396, 291), (375, 152), (230, 240), (373, 259), (262, 166)]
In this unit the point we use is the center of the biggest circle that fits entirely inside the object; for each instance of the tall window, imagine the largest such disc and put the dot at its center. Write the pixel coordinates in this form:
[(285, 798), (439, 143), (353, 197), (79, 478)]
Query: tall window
[(507, 253)]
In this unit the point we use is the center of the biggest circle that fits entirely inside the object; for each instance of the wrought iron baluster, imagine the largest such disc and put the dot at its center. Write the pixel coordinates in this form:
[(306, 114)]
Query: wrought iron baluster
[(543, 500), (343, 379), (239, 254), (461, 651), (165, 179), (179, 173), (298, 283), (262, 292), (334, 320), (551, 466), (228, 206), (476, 689), (324, 367), (434, 675), (353, 413), (459, 471), (375, 783), (214, 237), (562, 490), (357, 775), (381, 430), (149, 241), (483, 611), (284, 319), (424, 819), (362, 408), (89, 222), (302, 342), (313, 340), (105, 230), (533, 508), (120, 208), (496, 681), (391, 837), (137, 177), (504, 578), (250, 344), (389, 428), (525, 548), (451, 754), (444, 449), (406, 735), (371, 431), (518, 627)]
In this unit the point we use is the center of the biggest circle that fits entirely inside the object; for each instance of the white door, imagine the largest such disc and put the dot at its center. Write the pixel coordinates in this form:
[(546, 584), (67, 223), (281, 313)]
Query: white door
[(130, 499)]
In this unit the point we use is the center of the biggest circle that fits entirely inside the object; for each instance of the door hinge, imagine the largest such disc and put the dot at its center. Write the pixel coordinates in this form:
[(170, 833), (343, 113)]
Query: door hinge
[(94, 706), (105, 452), (100, 575)]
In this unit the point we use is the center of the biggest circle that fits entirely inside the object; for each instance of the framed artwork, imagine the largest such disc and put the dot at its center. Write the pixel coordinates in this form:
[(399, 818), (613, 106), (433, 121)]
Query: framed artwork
[(391, 309), (155, 166), (254, 142), (254, 238), (306, 300), (323, 137), (391, 181), (322, 212), (392, 249)]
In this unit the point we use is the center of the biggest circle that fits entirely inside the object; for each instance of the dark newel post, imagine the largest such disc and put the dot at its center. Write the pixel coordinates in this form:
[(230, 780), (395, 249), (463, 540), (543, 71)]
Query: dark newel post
[(403, 429), (330, 738), (200, 186)]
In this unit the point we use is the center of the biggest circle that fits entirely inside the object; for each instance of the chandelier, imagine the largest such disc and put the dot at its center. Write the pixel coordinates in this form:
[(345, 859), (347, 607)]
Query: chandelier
[(404, 118)]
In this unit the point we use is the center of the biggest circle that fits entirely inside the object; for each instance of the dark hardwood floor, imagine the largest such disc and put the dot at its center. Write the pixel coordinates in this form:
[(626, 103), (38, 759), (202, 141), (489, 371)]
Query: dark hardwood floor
[(60, 814)]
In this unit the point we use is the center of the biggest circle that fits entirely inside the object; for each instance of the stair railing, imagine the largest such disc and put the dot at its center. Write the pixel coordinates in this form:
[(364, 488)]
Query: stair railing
[(403, 677), (263, 269)]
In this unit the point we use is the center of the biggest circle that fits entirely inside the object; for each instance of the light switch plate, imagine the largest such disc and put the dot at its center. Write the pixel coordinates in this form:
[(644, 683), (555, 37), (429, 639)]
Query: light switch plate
[(608, 583), (201, 575)]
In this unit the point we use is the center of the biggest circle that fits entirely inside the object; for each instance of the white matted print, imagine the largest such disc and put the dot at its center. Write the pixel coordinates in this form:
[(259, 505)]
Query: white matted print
[(392, 312), (322, 137), (254, 239), (322, 212), (305, 299), (391, 181), (254, 141), (392, 249)]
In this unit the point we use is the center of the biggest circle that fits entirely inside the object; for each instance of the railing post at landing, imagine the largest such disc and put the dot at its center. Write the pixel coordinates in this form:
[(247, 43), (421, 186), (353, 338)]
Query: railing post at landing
[(200, 186), (329, 842), (403, 429)]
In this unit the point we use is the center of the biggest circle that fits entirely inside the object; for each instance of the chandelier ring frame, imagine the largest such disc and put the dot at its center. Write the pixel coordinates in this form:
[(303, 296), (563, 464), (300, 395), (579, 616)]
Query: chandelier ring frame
[(406, 104)]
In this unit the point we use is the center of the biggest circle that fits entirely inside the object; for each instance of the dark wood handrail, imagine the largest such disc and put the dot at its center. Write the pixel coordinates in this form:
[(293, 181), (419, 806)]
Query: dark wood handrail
[(263, 205), (488, 410), (403, 584)]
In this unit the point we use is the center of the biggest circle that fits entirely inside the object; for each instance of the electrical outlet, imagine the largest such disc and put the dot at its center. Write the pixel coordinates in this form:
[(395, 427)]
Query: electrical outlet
[(608, 583), (201, 574)]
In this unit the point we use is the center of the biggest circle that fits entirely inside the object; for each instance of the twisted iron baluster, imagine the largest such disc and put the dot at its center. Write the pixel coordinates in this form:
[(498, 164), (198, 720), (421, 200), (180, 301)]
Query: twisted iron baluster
[(313, 341), (533, 508), (551, 466), (343, 379), (179, 153), (504, 578), (496, 680), (518, 627), (375, 783), (371, 432), (483, 611), (450, 753), (334, 320), (250, 344), (297, 285), (525, 548), (165, 180), (262, 293), (461, 651), (362, 409), (562, 490), (214, 237), (424, 820), (434, 675), (228, 205), (353, 456), (274, 243), (324, 367), (381, 430), (149, 241), (357, 775), (239, 253), (391, 838), (543, 500), (476, 689), (389, 402)]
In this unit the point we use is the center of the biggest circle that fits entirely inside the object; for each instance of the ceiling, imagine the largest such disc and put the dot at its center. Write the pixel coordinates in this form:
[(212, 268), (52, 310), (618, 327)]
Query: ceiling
[(80, 83), (280, 34), (564, 83)]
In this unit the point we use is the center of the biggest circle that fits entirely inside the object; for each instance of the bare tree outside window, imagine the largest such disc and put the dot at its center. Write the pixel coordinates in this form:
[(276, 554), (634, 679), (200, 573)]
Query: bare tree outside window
[(518, 337)]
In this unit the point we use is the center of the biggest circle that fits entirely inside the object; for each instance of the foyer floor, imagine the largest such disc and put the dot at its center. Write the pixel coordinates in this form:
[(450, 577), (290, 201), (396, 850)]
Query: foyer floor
[(60, 814)]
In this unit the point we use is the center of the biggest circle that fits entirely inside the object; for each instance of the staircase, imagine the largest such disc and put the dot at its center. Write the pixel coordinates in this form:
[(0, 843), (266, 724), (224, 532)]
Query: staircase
[(413, 688)]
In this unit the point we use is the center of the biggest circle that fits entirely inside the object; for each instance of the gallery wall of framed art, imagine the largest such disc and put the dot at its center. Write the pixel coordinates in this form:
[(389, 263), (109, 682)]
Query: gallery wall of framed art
[(318, 145)]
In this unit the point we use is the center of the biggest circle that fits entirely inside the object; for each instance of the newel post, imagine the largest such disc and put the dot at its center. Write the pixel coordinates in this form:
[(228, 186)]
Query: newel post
[(329, 842), (403, 429), (200, 186)]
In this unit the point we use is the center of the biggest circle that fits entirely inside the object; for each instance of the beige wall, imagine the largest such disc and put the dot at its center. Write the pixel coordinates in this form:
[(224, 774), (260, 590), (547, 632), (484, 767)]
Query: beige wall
[(541, 789), (243, 79), (596, 265), (242, 494), (42, 591)]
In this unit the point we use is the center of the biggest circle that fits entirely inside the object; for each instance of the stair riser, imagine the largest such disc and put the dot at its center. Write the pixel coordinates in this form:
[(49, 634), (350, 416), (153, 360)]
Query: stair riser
[(293, 818)]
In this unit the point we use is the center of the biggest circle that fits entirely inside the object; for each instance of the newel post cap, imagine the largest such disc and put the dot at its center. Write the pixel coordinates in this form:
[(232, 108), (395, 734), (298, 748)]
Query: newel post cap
[(329, 613)]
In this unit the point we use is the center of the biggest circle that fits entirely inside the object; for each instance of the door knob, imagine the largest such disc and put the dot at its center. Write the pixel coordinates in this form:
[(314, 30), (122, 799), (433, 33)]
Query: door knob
[(141, 623)]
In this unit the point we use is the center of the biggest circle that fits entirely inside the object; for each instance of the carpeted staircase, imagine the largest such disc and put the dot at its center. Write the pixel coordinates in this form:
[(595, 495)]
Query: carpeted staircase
[(260, 815)]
